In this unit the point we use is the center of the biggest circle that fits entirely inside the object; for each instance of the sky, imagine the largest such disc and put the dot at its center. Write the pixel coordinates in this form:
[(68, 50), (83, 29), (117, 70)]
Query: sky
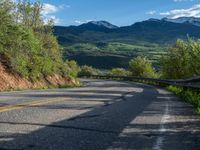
[(118, 12)]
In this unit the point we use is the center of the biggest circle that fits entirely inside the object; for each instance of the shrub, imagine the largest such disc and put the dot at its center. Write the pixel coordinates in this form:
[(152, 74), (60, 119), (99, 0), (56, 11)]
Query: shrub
[(119, 72), (141, 67), (182, 60), (73, 68), (88, 70)]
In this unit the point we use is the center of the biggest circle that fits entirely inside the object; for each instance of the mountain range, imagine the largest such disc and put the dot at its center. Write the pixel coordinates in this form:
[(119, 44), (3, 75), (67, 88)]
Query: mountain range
[(101, 39), (185, 20), (152, 30)]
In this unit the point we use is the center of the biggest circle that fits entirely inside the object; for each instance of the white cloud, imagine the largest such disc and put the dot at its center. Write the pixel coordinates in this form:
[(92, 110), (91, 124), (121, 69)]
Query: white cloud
[(190, 12), (49, 9), (153, 12)]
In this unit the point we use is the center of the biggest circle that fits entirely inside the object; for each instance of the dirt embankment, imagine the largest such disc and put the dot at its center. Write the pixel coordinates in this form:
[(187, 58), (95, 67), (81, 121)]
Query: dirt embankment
[(12, 81)]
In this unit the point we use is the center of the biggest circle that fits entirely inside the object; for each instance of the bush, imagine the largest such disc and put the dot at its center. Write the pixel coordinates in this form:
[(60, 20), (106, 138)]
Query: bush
[(88, 70), (182, 60), (73, 68), (119, 72), (141, 67)]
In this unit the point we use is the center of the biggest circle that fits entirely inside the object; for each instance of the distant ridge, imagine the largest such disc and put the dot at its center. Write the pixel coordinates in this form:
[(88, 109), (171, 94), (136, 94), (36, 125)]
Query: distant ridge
[(186, 20), (103, 24), (153, 30)]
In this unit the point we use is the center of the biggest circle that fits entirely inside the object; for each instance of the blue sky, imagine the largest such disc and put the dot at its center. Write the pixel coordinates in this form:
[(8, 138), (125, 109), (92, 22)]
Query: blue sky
[(118, 12)]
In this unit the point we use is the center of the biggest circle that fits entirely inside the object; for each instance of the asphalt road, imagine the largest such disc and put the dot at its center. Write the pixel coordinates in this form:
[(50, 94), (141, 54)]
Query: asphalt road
[(103, 115)]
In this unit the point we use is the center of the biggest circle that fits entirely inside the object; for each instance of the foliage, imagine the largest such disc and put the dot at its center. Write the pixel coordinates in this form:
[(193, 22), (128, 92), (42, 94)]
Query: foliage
[(27, 41), (119, 72), (189, 96), (73, 68), (88, 70), (182, 60), (141, 67)]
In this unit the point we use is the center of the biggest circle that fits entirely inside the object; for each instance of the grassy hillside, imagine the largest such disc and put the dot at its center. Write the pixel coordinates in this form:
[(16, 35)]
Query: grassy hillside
[(114, 54)]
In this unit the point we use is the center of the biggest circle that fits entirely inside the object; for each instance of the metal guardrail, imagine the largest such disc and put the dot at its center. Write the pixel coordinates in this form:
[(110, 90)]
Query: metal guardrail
[(191, 80), (188, 83)]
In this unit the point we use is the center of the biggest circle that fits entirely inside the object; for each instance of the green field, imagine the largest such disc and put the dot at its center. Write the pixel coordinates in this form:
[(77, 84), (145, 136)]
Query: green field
[(113, 54)]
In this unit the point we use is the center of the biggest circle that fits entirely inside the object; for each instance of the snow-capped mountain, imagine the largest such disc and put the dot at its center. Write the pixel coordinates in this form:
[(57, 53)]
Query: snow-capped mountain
[(186, 20), (103, 24)]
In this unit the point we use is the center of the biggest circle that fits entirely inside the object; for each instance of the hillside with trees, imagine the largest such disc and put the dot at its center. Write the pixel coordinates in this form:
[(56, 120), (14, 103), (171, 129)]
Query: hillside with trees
[(28, 47)]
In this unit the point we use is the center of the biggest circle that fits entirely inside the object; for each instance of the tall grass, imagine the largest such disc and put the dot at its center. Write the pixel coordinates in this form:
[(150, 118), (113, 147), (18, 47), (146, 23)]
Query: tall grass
[(189, 96)]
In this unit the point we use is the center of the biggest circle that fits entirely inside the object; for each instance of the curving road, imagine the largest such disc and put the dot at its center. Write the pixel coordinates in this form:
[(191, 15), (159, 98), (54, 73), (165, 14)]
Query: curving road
[(103, 115)]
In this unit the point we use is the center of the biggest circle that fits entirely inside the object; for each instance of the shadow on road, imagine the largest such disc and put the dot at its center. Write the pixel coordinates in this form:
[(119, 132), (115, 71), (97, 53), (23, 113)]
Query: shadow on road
[(108, 126)]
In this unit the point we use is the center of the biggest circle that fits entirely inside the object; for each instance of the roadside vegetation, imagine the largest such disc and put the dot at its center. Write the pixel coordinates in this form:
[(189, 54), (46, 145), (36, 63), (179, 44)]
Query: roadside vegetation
[(189, 96), (141, 67), (73, 68), (27, 44), (182, 60), (119, 72), (88, 71), (138, 67)]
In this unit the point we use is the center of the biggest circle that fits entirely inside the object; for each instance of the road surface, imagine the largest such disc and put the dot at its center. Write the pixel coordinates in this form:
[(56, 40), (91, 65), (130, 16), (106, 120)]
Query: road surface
[(103, 115)]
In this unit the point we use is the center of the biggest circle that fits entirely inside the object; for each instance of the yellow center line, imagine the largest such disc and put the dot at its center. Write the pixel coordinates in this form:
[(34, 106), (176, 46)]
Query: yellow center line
[(28, 104)]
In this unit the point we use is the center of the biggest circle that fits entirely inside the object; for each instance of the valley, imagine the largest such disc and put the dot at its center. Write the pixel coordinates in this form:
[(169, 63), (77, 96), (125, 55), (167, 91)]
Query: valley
[(103, 45)]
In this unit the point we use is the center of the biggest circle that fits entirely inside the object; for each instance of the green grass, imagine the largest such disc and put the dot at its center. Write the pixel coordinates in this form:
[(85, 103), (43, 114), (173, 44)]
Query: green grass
[(188, 96), (113, 54)]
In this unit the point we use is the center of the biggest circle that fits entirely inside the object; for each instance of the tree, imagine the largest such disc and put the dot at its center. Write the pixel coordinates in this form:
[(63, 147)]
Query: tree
[(29, 14), (141, 67), (27, 43), (182, 60), (6, 20), (193, 47)]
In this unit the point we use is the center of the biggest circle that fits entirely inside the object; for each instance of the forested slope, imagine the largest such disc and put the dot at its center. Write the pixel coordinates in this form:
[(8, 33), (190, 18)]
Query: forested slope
[(28, 47)]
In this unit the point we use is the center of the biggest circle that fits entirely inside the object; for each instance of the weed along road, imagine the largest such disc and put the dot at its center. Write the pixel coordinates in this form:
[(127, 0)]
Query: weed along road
[(103, 115)]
